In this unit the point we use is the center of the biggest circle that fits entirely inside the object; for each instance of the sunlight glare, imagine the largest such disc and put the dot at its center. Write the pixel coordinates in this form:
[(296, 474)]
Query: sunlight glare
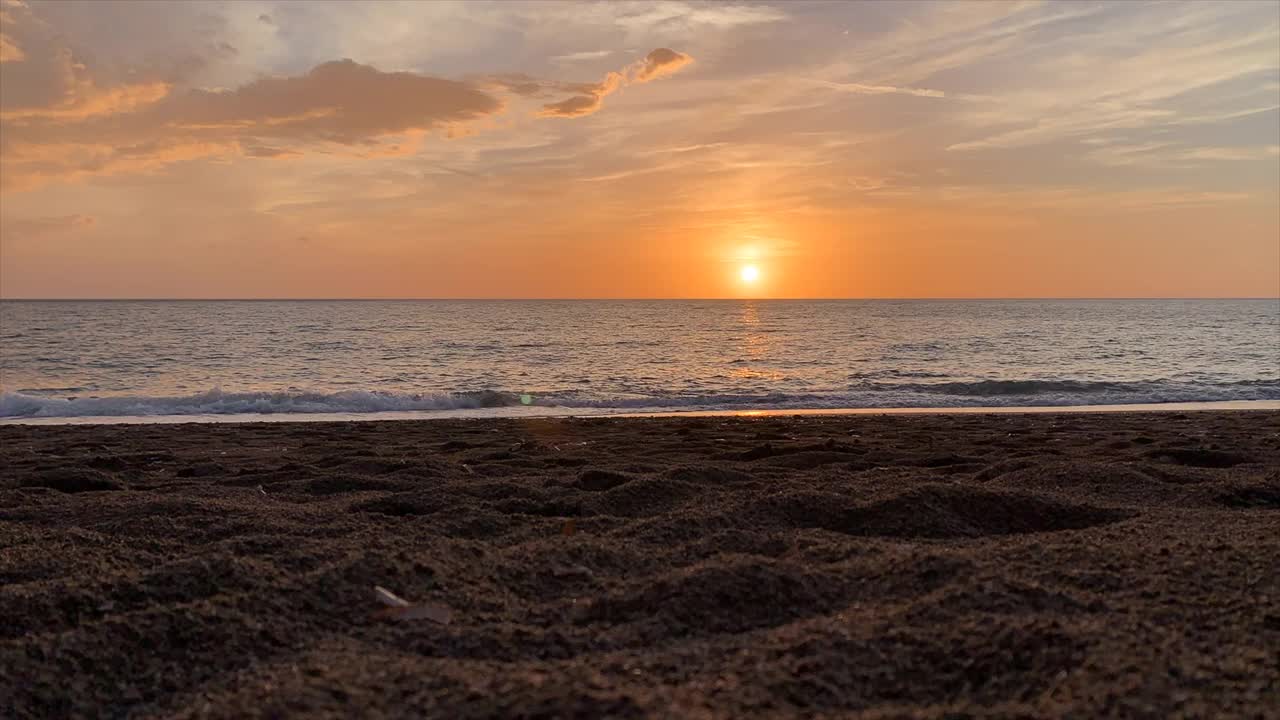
[(749, 273)]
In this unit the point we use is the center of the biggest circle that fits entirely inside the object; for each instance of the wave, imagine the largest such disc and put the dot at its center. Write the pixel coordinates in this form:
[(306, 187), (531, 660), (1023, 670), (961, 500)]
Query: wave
[(977, 393), (991, 388), (217, 402)]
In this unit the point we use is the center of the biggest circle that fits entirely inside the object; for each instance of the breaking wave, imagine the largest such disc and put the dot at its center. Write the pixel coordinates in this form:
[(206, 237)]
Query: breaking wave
[(218, 402), (979, 393)]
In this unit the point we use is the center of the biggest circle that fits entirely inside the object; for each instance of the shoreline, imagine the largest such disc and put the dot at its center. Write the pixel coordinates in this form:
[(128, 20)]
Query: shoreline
[(552, 412)]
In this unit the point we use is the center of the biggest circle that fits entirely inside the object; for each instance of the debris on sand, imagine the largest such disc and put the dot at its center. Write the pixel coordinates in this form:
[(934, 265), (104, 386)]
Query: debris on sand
[(570, 527), (397, 608)]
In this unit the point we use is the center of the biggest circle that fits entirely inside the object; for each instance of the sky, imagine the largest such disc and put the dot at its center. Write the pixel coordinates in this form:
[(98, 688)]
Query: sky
[(267, 149)]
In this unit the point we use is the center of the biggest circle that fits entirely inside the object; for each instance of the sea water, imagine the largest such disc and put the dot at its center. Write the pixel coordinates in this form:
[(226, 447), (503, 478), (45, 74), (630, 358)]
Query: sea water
[(149, 359)]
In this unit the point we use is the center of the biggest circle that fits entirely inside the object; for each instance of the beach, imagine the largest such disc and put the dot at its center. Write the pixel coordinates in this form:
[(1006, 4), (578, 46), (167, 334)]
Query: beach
[(878, 566)]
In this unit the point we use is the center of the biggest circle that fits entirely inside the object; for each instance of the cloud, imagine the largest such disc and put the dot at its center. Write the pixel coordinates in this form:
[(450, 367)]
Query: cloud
[(862, 89), (587, 103), (659, 63), (341, 101), (35, 227), (138, 127), (64, 117), (9, 50), (262, 151), (1232, 153), (1149, 68), (1087, 199), (85, 100), (529, 86), (674, 14), (1174, 155), (580, 56), (683, 148)]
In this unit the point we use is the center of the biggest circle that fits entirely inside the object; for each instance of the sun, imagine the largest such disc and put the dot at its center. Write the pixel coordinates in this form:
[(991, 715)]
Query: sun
[(749, 274)]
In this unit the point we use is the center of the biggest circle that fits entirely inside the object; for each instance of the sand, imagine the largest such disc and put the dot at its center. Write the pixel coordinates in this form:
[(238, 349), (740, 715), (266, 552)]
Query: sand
[(907, 566)]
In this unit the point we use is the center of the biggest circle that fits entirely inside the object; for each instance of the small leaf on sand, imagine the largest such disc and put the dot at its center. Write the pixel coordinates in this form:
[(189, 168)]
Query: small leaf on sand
[(572, 572), (386, 597), (400, 609), (570, 527)]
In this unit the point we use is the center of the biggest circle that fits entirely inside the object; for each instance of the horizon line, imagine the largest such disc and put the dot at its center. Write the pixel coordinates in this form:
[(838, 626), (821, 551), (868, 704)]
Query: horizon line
[(638, 299)]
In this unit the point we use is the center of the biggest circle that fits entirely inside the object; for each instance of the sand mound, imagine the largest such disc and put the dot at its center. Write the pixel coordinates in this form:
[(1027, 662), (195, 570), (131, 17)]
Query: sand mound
[(373, 466), (600, 480), (769, 450), (1264, 496), (797, 508), (641, 498), (73, 480), (888, 666), (944, 511), (693, 601), (1004, 467), (109, 463), (409, 503), (708, 474), (200, 470), (1199, 457), (338, 484), (1112, 483), (810, 459)]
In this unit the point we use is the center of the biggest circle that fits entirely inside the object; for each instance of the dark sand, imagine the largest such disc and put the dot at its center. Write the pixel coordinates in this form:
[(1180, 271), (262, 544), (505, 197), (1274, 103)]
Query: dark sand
[(902, 566)]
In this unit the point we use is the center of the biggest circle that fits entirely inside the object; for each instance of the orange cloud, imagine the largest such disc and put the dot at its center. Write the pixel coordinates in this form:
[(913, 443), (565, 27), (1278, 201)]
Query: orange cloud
[(64, 120), (657, 64), (341, 101), (529, 86), (86, 101), (30, 166), (42, 226), (587, 103), (262, 151), (134, 128), (9, 50)]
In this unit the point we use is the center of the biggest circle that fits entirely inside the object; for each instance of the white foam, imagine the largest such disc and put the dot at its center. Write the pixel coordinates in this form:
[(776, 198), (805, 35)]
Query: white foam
[(217, 402), (982, 393)]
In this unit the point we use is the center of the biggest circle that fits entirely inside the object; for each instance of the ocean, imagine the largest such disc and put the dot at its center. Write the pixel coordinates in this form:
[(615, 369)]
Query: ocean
[(311, 359)]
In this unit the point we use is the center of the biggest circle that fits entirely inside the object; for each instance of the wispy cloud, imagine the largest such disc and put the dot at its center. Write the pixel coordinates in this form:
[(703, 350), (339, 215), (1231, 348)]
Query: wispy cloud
[(581, 56), (659, 63), (1167, 67), (36, 227), (864, 89), (1175, 155), (666, 14), (9, 50)]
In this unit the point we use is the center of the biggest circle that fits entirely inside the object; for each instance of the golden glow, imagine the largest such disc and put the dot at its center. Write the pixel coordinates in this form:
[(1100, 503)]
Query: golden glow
[(684, 173)]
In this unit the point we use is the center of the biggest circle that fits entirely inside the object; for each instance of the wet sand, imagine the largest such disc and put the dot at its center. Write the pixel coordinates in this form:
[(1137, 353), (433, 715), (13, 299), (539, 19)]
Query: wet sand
[(1038, 565)]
